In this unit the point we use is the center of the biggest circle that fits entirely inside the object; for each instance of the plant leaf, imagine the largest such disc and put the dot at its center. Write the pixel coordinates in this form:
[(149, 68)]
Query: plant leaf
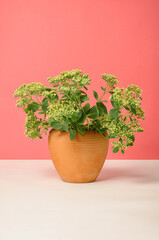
[(45, 104), (82, 119), (65, 127), (45, 101), (93, 113), (132, 138), (100, 111), (112, 102), (86, 108), (113, 113), (76, 116), (101, 105), (127, 108), (101, 130), (120, 140), (84, 98), (59, 125), (33, 106), (95, 94), (85, 87), (72, 134), (81, 129), (41, 113), (133, 110), (64, 96), (77, 94), (52, 97), (103, 88), (116, 149), (56, 125)]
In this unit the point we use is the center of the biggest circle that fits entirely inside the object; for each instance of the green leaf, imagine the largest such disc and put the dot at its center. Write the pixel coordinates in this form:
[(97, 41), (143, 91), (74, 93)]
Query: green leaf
[(101, 105), (102, 131), (72, 134), (56, 97), (99, 129), (116, 149), (103, 88), (65, 127), (44, 108), (113, 113), (52, 97), (41, 113), (26, 110), (84, 98), (120, 140), (93, 113), (132, 138), (112, 102), (100, 111), (82, 119), (122, 151), (77, 94), (127, 108), (59, 125), (48, 89), (76, 116), (85, 87), (83, 92), (66, 120), (45, 101), (111, 136), (133, 110), (45, 104), (95, 94), (64, 96), (86, 108), (56, 125), (33, 106), (130, 144), (81, 129)]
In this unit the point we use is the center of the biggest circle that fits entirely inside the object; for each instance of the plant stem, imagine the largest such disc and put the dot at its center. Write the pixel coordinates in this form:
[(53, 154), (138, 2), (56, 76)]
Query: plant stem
[(37, 99), (86, 116), (106, 91)]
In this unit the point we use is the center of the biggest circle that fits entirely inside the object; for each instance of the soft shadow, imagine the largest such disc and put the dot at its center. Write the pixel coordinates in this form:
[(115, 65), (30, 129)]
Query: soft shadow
[(50, 173), (127, 173), (135, 174)]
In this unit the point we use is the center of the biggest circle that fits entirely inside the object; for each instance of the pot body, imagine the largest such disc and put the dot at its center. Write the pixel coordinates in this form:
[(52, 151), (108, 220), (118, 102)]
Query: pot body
[(80, 160)]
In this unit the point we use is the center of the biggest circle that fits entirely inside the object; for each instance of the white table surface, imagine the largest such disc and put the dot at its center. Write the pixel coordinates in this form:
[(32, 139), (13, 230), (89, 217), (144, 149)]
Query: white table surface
[(36, 204)]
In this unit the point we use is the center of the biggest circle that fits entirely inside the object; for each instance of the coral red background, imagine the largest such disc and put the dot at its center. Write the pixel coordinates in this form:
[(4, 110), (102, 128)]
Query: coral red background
[(41, 38)]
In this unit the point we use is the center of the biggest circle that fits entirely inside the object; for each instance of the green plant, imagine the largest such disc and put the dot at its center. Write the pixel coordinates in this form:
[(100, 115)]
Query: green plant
[(65, 106)]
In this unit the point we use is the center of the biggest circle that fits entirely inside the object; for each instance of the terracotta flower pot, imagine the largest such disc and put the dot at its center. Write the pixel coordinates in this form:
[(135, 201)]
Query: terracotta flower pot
[(80, 160)]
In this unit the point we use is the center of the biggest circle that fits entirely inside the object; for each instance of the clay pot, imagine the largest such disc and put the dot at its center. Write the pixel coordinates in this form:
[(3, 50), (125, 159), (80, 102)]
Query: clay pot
[(80, 160)]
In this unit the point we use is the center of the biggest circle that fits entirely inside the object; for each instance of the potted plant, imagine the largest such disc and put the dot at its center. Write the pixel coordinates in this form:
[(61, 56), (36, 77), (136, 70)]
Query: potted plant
[(79, 133)]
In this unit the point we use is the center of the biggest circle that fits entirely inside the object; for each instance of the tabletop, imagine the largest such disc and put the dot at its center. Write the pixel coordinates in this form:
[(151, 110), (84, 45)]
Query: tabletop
[(123, 203)]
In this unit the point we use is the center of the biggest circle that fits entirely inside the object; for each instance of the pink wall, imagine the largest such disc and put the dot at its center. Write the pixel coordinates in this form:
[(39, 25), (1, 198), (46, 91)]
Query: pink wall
[(41, 38)]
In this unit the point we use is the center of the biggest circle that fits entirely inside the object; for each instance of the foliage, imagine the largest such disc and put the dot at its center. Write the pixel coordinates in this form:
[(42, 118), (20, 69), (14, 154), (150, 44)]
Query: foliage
[(65, 106)]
